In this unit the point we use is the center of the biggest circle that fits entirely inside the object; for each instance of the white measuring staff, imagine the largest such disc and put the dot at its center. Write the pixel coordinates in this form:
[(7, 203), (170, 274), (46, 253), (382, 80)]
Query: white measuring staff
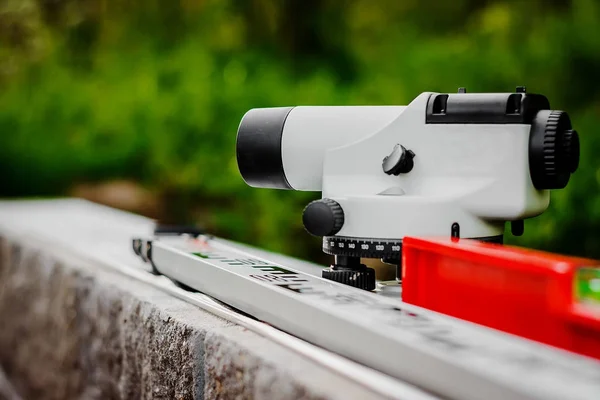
[(441, 354)]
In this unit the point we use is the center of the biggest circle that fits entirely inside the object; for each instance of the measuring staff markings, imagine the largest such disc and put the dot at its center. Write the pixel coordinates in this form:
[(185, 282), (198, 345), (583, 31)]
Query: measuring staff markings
[(274, 274)]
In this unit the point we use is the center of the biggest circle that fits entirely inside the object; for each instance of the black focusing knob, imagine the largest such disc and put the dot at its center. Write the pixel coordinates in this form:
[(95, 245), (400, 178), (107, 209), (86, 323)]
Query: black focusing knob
[(349, 271), (400, 161), (361, 279), (323, 217), (571, 149), (553, 150)]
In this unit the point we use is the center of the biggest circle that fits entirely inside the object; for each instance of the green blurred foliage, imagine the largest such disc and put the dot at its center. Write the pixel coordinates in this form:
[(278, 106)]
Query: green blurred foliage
[(153, 91)]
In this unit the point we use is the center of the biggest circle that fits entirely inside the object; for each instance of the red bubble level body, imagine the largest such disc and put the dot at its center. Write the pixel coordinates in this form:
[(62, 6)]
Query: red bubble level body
[(549, 298)]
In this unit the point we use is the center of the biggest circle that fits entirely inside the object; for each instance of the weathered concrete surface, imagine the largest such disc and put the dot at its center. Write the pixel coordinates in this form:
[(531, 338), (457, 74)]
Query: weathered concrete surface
[(67, 333), (7, 391), (70, 328)]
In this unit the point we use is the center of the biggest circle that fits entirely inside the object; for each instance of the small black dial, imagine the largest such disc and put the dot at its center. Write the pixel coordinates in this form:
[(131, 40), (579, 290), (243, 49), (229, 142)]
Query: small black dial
[(323, 217), (400, 161)]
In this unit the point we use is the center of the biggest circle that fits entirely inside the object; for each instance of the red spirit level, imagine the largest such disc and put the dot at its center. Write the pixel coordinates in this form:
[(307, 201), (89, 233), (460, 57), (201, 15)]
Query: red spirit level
[(546, 297)]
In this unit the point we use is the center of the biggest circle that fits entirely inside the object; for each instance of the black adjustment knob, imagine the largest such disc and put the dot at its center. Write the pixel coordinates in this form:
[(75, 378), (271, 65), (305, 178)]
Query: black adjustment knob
[(349, 271), (400, 161), (361, 279), (553, 150), (323, 217), (571, 149)]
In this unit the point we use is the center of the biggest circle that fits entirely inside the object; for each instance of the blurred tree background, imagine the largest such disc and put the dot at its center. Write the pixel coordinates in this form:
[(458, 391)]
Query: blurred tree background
[(136, 103)]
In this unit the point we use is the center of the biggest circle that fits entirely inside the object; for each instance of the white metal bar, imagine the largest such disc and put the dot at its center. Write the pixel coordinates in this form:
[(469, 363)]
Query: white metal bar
[(438, 353)]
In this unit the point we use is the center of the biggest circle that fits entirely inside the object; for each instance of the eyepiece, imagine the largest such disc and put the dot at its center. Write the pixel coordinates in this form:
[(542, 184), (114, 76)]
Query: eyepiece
[(553, 150), (258, 147)]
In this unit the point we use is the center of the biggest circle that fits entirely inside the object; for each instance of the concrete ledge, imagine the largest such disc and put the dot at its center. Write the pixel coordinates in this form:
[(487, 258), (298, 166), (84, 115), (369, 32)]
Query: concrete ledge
[(71, 328)]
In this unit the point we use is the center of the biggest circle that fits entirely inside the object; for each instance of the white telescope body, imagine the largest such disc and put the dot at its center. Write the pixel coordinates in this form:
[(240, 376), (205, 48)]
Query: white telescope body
[(310, 132), (474, 156)]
